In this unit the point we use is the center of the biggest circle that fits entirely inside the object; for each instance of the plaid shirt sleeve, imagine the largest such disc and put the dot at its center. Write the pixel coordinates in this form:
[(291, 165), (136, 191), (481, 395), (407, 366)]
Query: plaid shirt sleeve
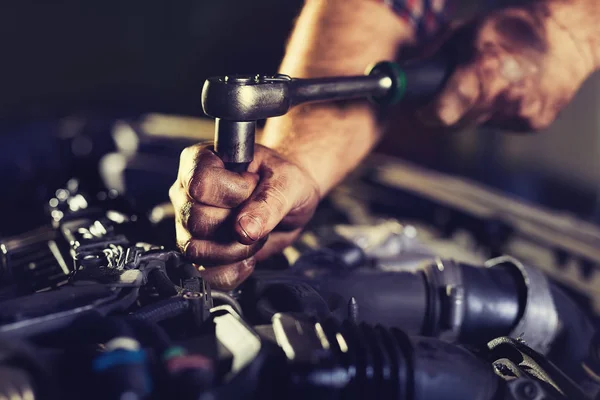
[(427, 16)]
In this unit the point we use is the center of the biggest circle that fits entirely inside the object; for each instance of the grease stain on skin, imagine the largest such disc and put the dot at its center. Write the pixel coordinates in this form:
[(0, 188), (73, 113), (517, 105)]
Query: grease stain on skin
[(519, 32)]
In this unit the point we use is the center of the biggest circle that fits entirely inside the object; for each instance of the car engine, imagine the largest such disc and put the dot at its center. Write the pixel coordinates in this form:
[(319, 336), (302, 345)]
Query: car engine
[(408, 284)]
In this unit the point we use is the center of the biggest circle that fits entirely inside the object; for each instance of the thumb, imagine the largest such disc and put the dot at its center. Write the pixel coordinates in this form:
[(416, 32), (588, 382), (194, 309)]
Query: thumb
[(271, 201)]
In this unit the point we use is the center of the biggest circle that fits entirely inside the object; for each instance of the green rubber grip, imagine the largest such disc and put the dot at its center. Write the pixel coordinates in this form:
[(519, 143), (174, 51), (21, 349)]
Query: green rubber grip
[(398, 89), (418, 81)]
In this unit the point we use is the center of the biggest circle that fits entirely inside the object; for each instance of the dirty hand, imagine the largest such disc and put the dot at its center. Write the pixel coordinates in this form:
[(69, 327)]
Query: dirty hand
[(518, 67), (225, 220)]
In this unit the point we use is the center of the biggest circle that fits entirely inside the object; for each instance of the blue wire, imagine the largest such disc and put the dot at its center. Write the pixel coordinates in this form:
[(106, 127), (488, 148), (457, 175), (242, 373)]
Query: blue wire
[(118, 357)]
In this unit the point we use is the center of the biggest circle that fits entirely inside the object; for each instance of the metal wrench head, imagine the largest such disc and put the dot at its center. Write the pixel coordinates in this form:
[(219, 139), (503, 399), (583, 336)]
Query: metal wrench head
[(246, 97)]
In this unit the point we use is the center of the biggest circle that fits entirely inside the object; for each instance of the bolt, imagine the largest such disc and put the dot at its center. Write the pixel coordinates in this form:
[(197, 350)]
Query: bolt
[(191, 295)]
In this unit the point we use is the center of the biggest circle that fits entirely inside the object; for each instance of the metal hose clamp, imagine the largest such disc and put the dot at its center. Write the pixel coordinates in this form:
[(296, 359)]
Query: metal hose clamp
[(539, 323), (446, 278)]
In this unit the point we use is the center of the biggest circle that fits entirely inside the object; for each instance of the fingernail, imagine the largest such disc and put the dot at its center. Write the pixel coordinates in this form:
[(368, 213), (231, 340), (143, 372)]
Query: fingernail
[(251, 227)]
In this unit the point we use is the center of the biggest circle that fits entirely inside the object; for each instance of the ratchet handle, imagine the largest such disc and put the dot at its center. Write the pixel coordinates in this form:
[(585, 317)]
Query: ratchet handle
[(417, 81)]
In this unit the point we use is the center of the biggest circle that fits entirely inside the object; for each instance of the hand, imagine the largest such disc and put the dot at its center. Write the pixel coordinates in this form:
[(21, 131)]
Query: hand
[(226, 221), (518, 67)]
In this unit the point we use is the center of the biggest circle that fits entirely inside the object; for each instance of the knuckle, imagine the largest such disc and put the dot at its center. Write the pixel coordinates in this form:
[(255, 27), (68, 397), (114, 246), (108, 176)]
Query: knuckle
[(173, 191), (183, 238), (202, 222), (275, 198), (183, 242), (191, 153), (199, 187), (225, 277), (197, 250), (195, 221), (185, 154)]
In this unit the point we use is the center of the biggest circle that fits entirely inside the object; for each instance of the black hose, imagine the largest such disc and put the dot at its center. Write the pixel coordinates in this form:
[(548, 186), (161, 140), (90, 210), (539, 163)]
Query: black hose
[(290, 297), (387, 298), (374, 362), (162, 310), (227, 299), (162, 283), (491, 303)]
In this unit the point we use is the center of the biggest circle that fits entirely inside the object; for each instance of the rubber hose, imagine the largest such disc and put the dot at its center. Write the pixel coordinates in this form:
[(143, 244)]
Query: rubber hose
[(162, 310), (162, 283), (491, 303), (291, 297), (227, 299)]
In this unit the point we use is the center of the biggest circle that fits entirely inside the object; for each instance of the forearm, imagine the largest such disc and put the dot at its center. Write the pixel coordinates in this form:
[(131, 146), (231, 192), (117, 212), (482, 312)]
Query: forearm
[(334, 37)]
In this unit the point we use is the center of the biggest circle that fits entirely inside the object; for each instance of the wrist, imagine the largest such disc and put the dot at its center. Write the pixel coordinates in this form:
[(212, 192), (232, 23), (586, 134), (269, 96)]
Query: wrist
[(327, 140), (278, 136), (292, 158)]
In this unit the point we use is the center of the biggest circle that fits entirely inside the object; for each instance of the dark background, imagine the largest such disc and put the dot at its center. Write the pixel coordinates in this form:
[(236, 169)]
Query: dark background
[(59, 57), (69, 67)]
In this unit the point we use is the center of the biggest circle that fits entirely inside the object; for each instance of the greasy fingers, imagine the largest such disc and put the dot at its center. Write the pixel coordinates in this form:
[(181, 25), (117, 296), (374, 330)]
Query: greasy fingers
[(205, 179), (196, 230), (228, 277), (516, 68), (459, 96), (285, 193), (199, 220), (211, 253), (224, 218), (204, 196)]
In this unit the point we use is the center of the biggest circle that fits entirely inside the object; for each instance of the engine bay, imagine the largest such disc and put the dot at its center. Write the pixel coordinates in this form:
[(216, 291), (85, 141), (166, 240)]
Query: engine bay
[(407, 284)]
